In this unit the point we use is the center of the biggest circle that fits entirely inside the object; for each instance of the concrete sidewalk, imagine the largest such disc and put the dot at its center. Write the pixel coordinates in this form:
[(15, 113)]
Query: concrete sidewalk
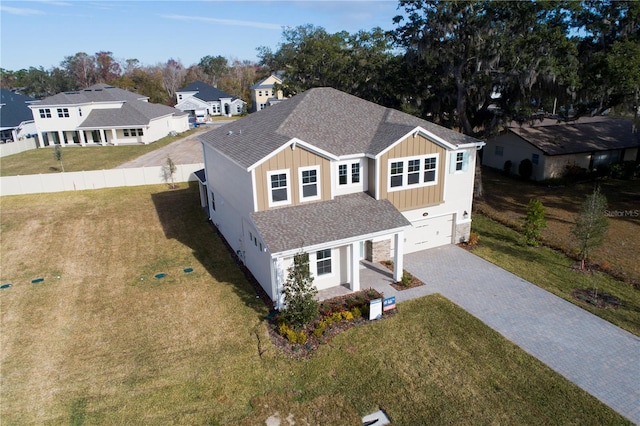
[(599, 357)]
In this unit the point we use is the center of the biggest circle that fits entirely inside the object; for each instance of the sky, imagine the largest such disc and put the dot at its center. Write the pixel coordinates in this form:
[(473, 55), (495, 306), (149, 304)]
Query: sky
[(41, 33)]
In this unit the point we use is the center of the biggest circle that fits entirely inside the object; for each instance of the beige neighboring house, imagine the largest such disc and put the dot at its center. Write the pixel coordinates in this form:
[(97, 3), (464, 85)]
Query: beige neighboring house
[(104, 115), (587, 143), (264, 94), (373, 184)]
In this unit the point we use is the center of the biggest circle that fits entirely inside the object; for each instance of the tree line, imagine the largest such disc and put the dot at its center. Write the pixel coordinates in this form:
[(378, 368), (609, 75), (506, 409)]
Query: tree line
[(469, 65)]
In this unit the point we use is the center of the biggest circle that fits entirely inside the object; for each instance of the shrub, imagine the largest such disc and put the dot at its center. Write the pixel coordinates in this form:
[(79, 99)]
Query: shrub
[(525, 169), (356, 312), (507, 167), (534, 222), (346, 315), (301, 337), (336, 317), (299, 293), (320, 328), (292, 336), (473, 239), (406, 279)]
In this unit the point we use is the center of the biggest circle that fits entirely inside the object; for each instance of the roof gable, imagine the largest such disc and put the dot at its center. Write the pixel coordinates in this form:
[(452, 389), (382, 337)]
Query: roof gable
[(330, 120)]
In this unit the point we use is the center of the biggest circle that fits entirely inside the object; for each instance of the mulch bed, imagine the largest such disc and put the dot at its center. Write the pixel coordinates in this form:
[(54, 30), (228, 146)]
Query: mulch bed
[(399, 285), (595, 298)]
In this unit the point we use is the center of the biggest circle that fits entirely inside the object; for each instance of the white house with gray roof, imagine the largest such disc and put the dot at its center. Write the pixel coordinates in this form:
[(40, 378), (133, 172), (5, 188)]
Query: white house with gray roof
[(201, 101), (340, 178), (104, 115)]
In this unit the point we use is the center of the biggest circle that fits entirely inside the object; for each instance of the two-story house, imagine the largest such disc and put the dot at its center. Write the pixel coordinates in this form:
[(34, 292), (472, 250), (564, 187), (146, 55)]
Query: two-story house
[(201, 100), (264, 93), (104, 115), (340, 178)]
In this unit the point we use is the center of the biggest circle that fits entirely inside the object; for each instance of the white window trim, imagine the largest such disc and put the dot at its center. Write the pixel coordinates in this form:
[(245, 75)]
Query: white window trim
[(270, 189), (454, 162), (405, 172), (301, 184), (315, 264), (349, 165)]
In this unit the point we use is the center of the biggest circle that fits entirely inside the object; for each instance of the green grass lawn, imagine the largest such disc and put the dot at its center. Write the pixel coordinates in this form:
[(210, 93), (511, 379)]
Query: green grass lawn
[(101, 341), (552, 270), (77, 159)]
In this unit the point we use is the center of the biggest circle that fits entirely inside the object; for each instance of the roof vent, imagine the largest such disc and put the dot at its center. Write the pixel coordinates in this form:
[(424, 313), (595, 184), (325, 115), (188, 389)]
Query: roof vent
[(230, 132)]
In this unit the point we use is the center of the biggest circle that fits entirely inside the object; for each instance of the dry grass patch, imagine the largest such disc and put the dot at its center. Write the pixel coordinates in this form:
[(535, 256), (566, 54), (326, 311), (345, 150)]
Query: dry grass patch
[(506, 199)]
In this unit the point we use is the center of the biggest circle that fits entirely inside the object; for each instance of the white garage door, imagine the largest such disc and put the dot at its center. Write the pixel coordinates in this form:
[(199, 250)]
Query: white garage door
[(428, 233)]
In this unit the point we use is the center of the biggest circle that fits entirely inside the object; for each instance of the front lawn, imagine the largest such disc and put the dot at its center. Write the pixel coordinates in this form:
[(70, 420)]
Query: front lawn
[(101, 340)]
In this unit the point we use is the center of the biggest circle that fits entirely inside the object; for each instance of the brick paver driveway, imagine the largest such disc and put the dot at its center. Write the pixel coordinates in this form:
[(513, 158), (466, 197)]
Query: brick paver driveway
[(599, 357)]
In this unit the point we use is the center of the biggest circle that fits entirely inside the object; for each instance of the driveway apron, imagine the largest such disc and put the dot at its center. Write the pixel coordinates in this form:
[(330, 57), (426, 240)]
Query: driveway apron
[(599, 357)]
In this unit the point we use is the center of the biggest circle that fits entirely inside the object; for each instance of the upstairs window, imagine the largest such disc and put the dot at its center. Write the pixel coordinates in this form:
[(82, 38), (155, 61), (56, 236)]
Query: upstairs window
[(63, 112), (459, 162), (499, 151), (349, 173), (355, 173), (278, 188), (343, 178), (309, 185), (45, 113), (406, 173)]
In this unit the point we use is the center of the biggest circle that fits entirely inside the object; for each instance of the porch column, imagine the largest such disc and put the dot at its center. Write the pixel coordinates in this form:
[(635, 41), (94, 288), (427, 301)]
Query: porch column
[(398, 255), (83, 140), (61, 138), (14, 135), (114, 137), (103, 137), (355, 266)]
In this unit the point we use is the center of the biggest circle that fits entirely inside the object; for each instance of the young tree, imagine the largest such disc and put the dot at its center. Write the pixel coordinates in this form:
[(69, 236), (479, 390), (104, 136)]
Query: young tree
[(169, 172), (299, 293), (591, 224), (534, 222), (57, 155)]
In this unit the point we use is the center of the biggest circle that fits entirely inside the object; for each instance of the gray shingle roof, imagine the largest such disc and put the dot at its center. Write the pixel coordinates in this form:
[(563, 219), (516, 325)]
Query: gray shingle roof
[(585, 135), (136, 113), (329, 119), (14, 109), (289, 228), (206, 92), (95, 93)]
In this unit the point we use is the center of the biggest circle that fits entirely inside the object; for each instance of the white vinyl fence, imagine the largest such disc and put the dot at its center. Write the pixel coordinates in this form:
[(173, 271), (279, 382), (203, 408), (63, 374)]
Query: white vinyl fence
[(77, 181), (17, 147)]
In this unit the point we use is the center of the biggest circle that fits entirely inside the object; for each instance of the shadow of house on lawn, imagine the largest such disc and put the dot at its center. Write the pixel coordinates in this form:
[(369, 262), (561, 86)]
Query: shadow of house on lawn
[(184, 220)]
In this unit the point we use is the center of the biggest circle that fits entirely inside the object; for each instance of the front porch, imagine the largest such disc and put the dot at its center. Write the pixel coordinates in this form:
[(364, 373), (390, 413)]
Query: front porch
[(372, 275)]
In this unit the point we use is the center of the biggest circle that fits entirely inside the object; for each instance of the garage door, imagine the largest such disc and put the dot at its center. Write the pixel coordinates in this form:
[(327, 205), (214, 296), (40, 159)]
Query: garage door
[(428, 233)]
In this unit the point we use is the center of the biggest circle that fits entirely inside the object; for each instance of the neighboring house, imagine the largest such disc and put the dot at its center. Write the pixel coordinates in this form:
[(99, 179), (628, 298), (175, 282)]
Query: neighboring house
[(102, 115), (201, 101), (553, 146), (16, 120), (340, 178), (264, 94)]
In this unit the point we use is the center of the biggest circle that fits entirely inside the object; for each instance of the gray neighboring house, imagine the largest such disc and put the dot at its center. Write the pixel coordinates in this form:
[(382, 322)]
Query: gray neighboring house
[(201, 101), (16, 119), (552, 146), (104, 115)]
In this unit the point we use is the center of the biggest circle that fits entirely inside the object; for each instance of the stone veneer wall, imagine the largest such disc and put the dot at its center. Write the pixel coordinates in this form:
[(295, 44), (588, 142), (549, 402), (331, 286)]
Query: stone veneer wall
[(377, 251), (462, 232)]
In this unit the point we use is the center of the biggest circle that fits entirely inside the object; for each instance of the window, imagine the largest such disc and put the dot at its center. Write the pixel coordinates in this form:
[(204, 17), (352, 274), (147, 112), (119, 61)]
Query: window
[(309, 185), (216, 109), (80, 112), (459, 160), (323, 263), (355, 173), (140, 132), (499, 151), (126, 132), (179, 97), (263, 106), (259, 92), (342, 174), (430, 169), (63, 112), (535, 158), (412, 172), (279, 187), (213, 201), (396, 173), (239, 109), (45, 113)]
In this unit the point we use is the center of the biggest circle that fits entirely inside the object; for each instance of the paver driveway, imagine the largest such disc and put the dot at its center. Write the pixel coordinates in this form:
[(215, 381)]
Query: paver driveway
[(599, 357)]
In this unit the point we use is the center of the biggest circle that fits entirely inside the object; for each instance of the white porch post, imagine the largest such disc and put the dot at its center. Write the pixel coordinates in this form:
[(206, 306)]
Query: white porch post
[(398, 255), (103, 137), (355, 266), (83, 140), (61, 137), (14, 135), (114, 137)]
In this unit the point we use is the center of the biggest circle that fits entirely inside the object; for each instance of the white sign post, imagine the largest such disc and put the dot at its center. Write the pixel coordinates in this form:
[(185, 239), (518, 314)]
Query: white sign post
[(375, 309)]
